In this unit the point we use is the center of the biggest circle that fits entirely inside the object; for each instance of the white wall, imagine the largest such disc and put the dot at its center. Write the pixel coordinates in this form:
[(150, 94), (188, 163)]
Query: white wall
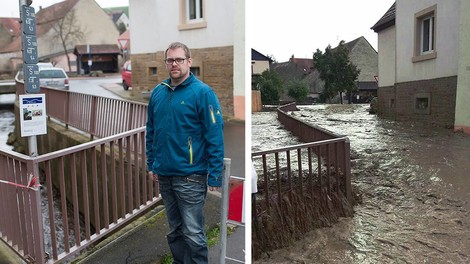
[(239, 52), (447, 22), (155, 25), (386, 49), (462, 113), (259, 67)]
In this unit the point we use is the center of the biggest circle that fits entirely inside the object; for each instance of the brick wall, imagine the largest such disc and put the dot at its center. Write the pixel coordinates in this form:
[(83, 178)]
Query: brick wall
[(385, 96), (441, 92), (215, 65)]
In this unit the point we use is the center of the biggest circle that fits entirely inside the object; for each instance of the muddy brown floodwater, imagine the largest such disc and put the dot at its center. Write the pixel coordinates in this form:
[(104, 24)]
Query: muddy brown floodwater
[(413, 180)]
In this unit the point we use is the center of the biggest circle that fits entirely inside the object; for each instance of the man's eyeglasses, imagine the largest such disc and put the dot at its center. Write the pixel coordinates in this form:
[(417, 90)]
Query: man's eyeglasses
[(170, 61)]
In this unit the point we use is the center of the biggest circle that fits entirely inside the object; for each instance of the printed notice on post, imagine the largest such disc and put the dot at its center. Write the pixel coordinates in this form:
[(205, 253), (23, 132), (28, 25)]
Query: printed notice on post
[(33, 119)]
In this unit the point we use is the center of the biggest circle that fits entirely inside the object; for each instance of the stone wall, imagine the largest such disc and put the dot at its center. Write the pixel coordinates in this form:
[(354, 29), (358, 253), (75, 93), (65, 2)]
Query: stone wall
[(215, 68), (399, 101)]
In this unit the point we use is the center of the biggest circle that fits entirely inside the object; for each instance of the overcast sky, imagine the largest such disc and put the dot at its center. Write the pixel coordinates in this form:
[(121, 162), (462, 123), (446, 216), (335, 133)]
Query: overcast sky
[(11, 8), (300, 27)]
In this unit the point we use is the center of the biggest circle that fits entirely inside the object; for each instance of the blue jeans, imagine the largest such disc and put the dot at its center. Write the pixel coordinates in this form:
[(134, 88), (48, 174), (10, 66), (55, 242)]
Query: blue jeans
[(184, 199)]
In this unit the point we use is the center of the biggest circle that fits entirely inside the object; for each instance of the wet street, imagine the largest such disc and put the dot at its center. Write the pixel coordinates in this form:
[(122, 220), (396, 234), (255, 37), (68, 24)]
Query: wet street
[(412, 180)]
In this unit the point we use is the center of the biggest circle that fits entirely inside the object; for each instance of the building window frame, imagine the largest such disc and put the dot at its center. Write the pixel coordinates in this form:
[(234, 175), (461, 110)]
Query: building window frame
[(192, 14), (425, 34), (196, 70), (152, 70), (422, 103)]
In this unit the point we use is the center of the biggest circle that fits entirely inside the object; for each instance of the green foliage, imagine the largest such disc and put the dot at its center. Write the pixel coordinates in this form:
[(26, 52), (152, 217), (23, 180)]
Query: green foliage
[(270, 85), (298, 90), (167, 259), (336, 70), (121, 28)]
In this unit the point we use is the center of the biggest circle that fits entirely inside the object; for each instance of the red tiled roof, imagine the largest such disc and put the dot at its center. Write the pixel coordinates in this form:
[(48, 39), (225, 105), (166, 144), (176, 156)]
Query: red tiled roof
[(45, 19), (11, 25)]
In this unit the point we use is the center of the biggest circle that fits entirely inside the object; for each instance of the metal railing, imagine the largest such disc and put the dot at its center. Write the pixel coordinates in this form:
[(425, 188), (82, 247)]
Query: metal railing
[(300, 187), (96, 115), (103, 183)]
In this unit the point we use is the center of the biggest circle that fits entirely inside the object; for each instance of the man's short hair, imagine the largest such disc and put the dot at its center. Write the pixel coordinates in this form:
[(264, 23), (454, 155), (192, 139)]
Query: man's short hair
[(176, 45)]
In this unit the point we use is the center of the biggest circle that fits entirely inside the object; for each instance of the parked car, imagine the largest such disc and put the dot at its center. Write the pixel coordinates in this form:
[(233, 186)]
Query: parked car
[(127, 75), (41, 65), (53, 77)]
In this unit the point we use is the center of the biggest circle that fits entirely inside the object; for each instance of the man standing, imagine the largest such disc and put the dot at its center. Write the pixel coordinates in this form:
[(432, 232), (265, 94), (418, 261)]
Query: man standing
[(185, 152)]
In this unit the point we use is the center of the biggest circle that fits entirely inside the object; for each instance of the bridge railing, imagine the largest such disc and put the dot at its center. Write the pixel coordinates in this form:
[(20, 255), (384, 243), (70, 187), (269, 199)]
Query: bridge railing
[(300, 187), (88, 191), (99, 116), (103, 183)]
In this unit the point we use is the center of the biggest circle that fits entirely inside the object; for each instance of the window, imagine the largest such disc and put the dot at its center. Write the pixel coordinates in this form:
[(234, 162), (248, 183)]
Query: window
[(196, 71), (192, 14), (422, 103), (152, 71), (425, 34), (194, 9)]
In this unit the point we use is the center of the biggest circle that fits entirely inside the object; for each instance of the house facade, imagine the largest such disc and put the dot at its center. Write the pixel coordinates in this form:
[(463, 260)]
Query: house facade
[(259, 64), (423, 62), (365, 57), (86, 16), (207, 27)]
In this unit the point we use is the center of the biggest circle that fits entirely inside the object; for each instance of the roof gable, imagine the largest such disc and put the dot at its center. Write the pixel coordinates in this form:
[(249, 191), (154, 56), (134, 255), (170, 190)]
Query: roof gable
[(387, 20), (257, 56)]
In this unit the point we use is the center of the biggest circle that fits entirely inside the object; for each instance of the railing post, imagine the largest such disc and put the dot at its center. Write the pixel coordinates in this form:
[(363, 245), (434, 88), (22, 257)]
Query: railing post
[(224, 211), (93, 116), (67, 111), (130, 115), (347, 169), (36, 217)]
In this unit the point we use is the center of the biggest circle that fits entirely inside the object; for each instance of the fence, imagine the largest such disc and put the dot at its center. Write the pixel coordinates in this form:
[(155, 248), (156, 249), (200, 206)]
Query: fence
[(300, 187), (98, 116), (102, 182)]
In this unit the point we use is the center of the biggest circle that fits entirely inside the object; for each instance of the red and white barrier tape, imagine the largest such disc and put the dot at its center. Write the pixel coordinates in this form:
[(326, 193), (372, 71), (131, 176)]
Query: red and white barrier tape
[(33, 183)]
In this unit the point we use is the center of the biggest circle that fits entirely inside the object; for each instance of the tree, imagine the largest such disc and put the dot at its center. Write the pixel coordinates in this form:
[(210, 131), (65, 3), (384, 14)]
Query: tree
[(270, 86), (67, 31), (336, 70), (122, 28), (298, 90)]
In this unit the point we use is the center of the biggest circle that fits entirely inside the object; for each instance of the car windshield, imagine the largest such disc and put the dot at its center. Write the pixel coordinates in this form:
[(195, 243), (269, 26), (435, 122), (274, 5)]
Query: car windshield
[(51, 74)]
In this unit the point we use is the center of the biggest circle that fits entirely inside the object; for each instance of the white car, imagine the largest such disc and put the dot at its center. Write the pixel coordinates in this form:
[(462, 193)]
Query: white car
[(53, 77), (49, 76)]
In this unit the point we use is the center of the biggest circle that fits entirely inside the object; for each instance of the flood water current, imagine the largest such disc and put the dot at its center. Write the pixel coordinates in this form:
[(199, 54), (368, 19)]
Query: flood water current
[(413, 183)]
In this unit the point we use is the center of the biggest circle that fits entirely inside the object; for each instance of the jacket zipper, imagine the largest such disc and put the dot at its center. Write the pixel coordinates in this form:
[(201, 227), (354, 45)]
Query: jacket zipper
[(190, 149), (212, 114)]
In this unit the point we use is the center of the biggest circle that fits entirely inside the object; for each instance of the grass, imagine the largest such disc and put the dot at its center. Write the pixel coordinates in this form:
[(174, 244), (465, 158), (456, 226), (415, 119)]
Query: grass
[(212, 239)]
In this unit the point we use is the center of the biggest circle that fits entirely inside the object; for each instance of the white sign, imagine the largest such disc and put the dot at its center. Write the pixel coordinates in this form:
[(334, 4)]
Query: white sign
[(33, 120)]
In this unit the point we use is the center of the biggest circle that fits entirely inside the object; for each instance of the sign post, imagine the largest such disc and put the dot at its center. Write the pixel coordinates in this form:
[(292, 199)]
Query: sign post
[(33, 120), (32, 108)]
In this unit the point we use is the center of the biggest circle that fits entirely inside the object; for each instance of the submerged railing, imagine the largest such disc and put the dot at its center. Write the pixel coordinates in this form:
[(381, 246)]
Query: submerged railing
[(300, 187)]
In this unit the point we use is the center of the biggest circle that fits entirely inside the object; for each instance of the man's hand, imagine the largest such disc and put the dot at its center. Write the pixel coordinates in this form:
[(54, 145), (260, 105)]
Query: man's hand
[(153, 176), (212, 188)]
